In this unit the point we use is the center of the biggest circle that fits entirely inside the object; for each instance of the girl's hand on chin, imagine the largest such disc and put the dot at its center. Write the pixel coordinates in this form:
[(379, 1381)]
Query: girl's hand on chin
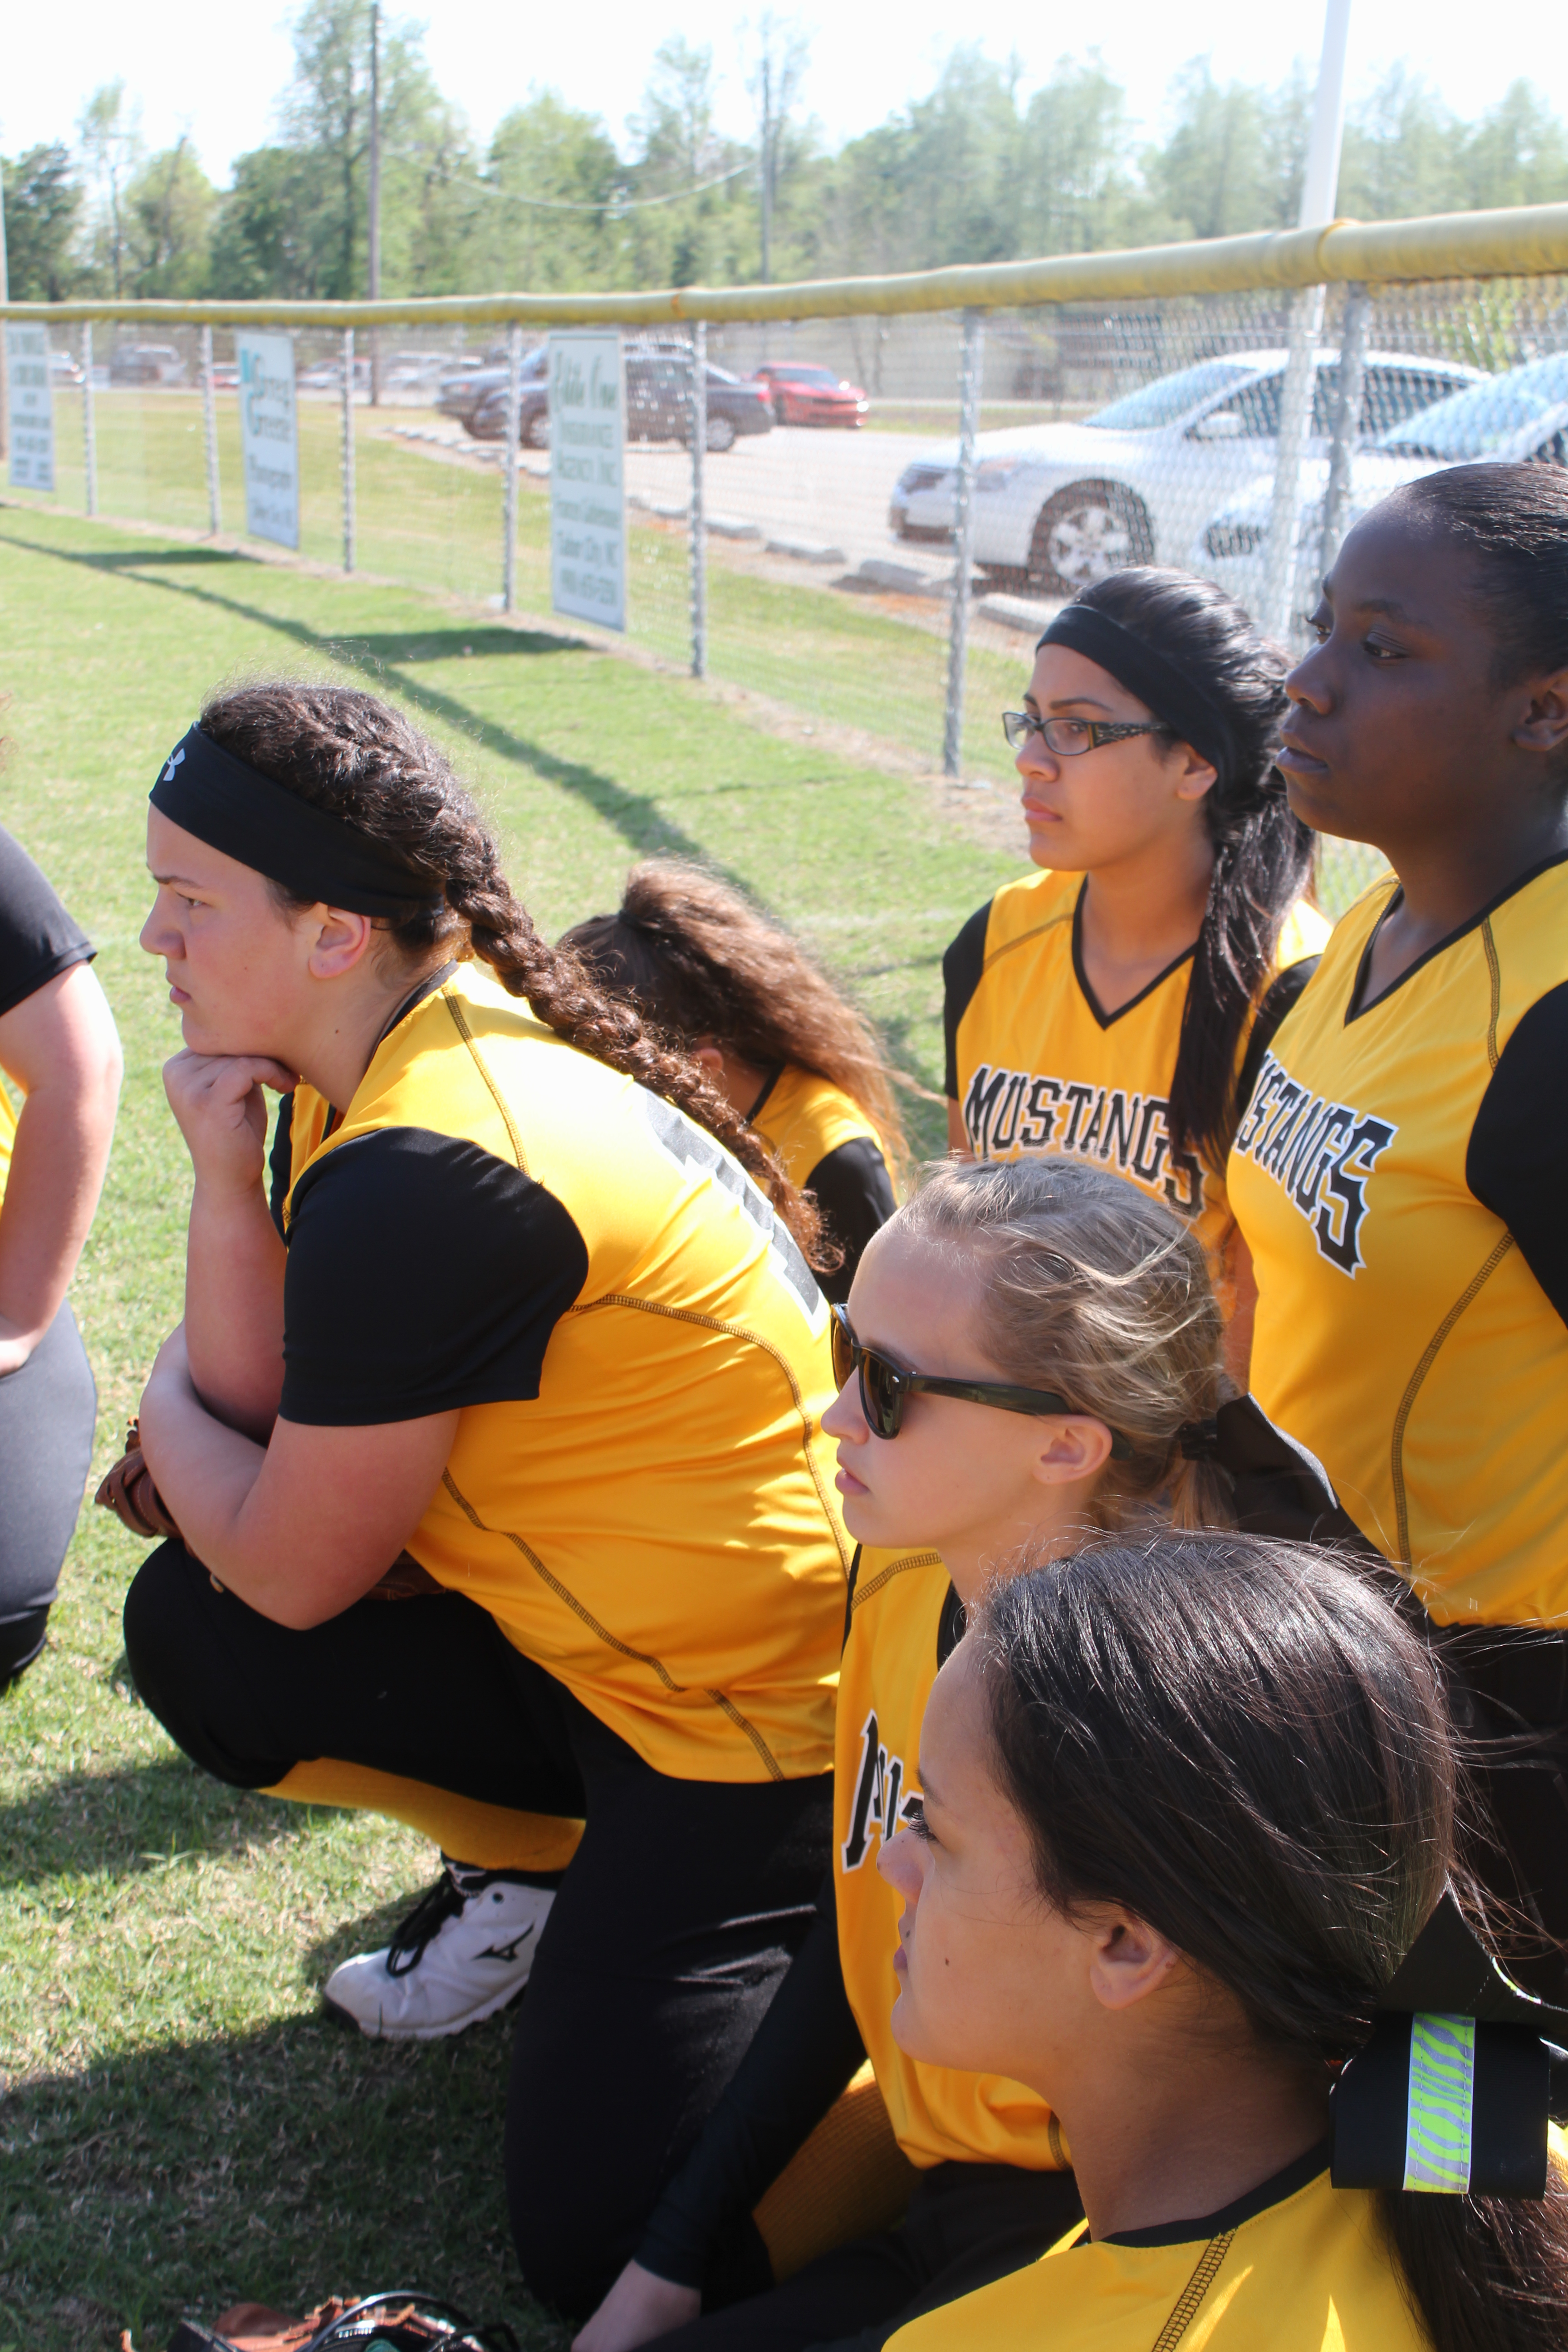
[(221, 1111)]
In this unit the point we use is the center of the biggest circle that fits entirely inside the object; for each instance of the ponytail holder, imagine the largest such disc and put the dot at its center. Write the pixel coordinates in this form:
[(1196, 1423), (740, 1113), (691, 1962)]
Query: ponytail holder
[(1451, 2093), (1199, 1440)]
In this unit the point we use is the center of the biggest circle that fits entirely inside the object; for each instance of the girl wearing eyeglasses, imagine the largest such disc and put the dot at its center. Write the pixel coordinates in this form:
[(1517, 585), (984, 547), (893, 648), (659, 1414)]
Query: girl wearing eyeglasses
[(803, 1067), (1029, 1350), (1108, 1007)]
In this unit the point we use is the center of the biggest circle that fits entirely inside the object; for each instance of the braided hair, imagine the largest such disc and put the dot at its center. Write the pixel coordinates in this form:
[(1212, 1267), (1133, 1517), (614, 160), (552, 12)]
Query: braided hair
[(363, 761)]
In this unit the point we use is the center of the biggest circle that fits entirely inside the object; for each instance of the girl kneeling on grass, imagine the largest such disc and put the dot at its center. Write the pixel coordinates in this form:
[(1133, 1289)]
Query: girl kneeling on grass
[(799, 1064), (1187, 1807), (1029, 1350), (530, 1343)]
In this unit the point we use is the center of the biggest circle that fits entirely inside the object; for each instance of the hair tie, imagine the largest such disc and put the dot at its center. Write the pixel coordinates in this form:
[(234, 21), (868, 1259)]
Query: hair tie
[(1451, 2093), (251, 817), (1199, 1440)]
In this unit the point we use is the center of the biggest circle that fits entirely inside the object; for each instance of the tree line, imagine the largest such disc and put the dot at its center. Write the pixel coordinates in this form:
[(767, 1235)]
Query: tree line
[(976, 171)]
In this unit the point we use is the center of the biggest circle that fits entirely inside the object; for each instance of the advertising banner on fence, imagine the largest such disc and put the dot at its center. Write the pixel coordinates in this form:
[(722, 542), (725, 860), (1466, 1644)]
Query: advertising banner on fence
[(268, 438), (32, 418), (587, 477)]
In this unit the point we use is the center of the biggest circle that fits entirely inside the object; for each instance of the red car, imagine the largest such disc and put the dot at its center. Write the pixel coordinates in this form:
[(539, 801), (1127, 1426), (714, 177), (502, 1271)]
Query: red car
[(811, 395)]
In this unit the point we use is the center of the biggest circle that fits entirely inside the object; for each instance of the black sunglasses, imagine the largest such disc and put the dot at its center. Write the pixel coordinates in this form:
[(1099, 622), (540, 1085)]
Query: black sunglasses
[(884, 1385)]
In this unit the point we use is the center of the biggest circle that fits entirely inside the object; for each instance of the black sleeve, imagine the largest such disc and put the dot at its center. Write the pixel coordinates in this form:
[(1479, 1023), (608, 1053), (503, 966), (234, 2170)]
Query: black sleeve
[(961, 969), (424, 1274), (854, 1195), (38, 938), (280, 1160), (1277, 1000), (1516, 1164), (806, 2050)]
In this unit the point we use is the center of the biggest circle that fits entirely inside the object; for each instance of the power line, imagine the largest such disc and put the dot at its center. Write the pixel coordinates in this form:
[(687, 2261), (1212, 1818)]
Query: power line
[(616, 204)]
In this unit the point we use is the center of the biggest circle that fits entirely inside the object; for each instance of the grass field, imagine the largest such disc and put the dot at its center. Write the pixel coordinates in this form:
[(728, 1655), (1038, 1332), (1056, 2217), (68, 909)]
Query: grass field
[(179, 2127)]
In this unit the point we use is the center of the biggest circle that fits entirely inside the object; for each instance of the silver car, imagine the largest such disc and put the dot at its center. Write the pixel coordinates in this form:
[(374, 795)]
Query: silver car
[(1523, 414), (1058, 506)]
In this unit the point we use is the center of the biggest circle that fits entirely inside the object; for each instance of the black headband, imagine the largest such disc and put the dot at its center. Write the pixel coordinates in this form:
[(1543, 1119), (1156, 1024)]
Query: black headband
[(234, 807), (1159, 685)]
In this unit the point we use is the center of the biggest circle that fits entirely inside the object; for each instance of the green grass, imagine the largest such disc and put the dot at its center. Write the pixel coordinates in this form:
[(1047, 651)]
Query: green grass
[(179, 2127)]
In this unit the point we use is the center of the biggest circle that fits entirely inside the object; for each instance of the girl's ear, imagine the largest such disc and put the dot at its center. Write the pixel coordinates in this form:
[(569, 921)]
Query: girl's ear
[(342, 940), (1544, 726), (708, 1053), (1130, 1960), (1074, 1447), (1194, 774)]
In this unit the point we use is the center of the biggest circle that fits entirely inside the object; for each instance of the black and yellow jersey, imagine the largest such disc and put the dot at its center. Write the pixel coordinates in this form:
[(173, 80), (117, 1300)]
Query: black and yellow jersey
[(638, 1490), (38, 940), (1400, 1177), (1298, 2265), (1035, 1066), (828, 1146), (904, 1618)]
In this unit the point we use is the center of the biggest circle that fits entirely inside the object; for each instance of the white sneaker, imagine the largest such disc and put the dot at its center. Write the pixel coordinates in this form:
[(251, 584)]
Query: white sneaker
[(461, 1955)]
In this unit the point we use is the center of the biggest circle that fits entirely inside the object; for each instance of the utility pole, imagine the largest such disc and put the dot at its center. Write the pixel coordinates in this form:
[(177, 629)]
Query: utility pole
[(5, 362), (372, 238), (767, 188)]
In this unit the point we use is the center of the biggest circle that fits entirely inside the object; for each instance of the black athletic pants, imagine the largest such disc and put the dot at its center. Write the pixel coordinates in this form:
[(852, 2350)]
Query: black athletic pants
[(966, 2225), (46, 1414), (673, 1927)]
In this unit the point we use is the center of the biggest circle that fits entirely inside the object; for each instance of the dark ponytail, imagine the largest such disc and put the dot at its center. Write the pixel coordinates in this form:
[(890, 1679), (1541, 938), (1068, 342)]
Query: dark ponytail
[(1263, 854), (1240, 1742), (348, 753)]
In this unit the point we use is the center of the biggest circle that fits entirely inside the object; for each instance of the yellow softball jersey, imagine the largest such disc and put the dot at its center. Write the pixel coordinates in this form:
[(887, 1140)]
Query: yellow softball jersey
[(1400, 1176), (904, 1618), (38, 940), (637, 1491), (1298, 2266), (1035, 1066), (828, 1146)]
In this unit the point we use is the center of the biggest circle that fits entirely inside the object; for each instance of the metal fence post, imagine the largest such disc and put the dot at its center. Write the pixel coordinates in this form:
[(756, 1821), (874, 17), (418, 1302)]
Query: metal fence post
[(513, 433), (963, 538), (698, 522), (1295, 422), (89, 421), (348, 448), (1347, 419), (209, 425)]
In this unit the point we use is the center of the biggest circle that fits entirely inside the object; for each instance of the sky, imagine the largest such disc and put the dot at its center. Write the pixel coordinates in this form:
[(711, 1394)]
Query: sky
[(218, 77)]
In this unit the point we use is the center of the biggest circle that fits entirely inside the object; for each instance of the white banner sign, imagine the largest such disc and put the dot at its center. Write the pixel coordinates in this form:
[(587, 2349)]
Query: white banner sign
[(587, 477), (32, 419), (268, 436)]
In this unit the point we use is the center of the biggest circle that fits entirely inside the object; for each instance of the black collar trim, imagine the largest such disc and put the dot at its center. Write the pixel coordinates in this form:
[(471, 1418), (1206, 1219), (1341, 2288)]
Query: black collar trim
[(1109, 1019), (1355, 1009), (1272, 2191), (768, 1087)]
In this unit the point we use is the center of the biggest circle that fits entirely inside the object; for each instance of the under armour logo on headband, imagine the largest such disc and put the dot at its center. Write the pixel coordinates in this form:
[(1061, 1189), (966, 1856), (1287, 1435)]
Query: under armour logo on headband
[(175, 757)]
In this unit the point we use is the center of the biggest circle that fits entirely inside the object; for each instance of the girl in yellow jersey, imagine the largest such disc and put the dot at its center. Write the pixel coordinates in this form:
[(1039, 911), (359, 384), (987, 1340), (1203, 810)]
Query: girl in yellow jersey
[(1110, 1007), (1401, 1172), (801, 1066), (1028, 1348), (531, 1348), (1186, 1807)]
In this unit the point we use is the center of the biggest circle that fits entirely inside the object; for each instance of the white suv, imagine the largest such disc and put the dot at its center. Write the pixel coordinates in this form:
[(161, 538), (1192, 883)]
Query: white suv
[(1058, 506)]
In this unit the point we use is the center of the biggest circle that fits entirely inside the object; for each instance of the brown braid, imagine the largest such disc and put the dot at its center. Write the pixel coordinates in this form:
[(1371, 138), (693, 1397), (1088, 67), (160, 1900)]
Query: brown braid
[(349, 754)]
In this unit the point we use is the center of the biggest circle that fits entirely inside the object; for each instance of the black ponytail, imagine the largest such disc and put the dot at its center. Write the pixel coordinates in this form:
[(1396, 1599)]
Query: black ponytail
[(1263, 854), (1240, 1742)]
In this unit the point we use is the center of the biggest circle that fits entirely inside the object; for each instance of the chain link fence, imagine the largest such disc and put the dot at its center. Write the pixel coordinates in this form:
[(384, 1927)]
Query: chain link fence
[(859, 521)]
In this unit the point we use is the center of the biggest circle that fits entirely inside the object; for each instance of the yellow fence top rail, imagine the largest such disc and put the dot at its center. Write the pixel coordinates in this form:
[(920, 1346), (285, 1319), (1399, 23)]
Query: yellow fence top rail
[(1529, 240)]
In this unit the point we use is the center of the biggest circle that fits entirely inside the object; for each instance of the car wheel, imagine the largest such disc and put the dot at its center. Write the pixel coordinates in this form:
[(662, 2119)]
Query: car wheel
[(1085, 533), (536, 429), (720, 433)]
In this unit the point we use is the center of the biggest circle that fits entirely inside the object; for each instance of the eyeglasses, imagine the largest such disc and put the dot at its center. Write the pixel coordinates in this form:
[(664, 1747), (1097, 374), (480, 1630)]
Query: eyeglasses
[(884, 1386), (1067, 737)]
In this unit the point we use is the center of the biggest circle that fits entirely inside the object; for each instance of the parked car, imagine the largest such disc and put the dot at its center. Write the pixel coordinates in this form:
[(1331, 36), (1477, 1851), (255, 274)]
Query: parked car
[(145, 364), (327, 375), (811, 395), (1057, 505), (1520, 415), (63, 369), (658, 403), (467, 387), (225, 375)]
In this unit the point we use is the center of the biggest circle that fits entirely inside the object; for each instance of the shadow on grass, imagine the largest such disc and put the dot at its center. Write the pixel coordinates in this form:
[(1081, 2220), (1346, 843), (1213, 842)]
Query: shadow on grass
[(285, 2165), (115, 1825), (384, 656)]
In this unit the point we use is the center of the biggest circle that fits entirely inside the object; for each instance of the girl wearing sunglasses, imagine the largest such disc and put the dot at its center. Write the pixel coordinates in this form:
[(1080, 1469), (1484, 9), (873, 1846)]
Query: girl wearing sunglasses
[(1030, 1348), (802, 1066), (1108, 1007)]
